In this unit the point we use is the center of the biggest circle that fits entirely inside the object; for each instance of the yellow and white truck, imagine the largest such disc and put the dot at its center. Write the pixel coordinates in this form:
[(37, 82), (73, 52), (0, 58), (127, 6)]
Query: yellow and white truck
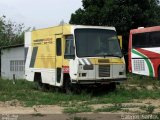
[(74, 54)]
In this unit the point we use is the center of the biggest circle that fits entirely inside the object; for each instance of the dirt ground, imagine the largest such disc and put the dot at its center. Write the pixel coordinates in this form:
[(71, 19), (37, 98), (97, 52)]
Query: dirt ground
[(55, 112)]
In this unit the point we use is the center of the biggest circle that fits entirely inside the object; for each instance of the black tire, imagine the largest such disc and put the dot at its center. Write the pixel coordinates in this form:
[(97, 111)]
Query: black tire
[(68, 86), (112, 86), (42, 86), (39, 85), (77, 89)]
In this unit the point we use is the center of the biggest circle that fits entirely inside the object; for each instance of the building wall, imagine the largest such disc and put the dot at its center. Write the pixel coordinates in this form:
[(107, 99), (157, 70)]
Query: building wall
[(12, 63)]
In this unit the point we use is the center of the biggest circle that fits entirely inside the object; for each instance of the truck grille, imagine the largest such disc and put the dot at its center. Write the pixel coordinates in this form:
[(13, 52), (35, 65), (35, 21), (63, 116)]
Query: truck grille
[(104, 70)]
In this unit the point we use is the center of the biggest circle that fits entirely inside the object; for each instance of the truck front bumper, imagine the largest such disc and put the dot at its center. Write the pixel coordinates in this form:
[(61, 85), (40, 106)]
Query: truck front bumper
[(101, 81)]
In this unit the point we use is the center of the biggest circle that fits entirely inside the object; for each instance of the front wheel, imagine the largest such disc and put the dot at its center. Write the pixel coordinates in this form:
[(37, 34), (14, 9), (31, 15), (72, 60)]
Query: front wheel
[(67, 86), (112, 86)]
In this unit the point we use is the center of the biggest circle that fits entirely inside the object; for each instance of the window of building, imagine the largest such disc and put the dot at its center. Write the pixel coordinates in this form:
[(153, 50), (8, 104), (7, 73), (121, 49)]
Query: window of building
[(17, 65)]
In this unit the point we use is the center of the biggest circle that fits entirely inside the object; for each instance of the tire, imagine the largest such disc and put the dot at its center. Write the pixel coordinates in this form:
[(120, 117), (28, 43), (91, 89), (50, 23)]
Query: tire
[(68, 86), (39, 85), (112, 86), (42, 86)]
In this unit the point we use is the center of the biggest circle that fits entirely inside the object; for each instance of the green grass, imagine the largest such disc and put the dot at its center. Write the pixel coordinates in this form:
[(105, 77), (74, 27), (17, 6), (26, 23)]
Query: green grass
[(149, 109), (141, 80), (27, 93), (115, 108)]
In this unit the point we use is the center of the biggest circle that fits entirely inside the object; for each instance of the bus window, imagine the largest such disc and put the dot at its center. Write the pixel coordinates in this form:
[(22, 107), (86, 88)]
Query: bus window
[(155, 39), (140, 40)]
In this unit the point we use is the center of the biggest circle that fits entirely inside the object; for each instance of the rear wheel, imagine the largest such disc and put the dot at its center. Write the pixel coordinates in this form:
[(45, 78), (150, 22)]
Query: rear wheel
[(39, 84), (42, 86)]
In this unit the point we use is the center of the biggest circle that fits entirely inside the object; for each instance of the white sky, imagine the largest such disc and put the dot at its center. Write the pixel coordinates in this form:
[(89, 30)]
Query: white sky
[(39, 13)]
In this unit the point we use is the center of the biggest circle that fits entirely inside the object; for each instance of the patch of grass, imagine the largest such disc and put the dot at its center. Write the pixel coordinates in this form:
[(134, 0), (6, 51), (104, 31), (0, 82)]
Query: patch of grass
[(78, 118), (125, 110), (141, 80), (149, 109), (79, 108), (115, 108), (27, 93)]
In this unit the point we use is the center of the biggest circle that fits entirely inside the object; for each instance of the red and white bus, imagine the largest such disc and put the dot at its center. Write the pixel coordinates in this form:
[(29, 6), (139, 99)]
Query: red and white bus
[(144, 51)]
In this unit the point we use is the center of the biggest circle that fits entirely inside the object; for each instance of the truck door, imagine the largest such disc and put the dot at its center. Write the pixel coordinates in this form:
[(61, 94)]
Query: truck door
[(59, 59)]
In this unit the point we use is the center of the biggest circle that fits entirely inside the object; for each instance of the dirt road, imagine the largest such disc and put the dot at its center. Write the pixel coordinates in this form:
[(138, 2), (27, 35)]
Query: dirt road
[(14, 110)]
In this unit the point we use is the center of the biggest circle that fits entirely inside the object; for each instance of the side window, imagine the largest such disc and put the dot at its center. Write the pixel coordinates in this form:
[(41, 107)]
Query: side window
[(69, 47), (58, 47), (155, 39), (140, 40)]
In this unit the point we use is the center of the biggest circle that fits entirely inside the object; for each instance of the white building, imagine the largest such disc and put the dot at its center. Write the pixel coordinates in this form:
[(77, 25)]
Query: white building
[(12, 62)]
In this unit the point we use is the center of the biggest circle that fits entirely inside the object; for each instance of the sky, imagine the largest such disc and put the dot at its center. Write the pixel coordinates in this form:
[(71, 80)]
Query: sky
[(39, 13)]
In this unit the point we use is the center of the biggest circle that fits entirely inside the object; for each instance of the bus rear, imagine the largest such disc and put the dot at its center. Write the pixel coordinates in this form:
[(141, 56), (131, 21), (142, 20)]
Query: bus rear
[(144, 51)]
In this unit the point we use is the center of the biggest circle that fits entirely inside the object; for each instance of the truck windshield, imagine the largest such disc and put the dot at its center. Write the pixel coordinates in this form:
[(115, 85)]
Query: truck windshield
[(97, 43)]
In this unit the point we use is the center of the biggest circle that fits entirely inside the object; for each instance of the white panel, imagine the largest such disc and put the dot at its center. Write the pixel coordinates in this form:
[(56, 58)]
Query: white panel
[(48, 77), (73, 68), (155, 49), (94, 27), (29, 75), (27, 39), (141, 71)]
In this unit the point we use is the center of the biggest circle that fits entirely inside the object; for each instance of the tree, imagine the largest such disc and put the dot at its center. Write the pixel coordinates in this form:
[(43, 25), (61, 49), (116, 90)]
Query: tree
[(123, 14), (11, 33)]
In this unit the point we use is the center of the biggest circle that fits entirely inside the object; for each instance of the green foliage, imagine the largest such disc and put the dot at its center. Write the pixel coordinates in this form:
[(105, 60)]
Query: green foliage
[(123, 14), (11, 33)]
